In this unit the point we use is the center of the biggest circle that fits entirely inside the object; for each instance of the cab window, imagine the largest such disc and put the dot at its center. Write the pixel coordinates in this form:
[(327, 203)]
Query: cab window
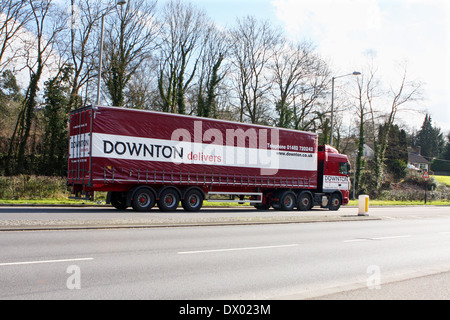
[(344, 168)]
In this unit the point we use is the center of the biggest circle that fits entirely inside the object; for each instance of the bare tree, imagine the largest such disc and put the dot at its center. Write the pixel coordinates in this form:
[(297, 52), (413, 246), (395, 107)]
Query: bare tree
[(184, 37), (211, 72), (142, 90), (406, 92), (14, 16), (301, 79), (46, 26), (367, 87), (252, 46), (84, 28), (289, 68), (132, 39)]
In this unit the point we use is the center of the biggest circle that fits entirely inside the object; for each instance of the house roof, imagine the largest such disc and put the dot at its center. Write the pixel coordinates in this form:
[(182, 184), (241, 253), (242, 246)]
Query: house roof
[(417, 158)]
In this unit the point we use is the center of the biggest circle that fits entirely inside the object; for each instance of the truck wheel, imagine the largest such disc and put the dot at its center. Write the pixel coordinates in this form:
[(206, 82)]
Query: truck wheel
[(119, 200), (168, 200), (288, 201), (335, 202), (143, 200), (193, 201), (262, 206), (304, 201)]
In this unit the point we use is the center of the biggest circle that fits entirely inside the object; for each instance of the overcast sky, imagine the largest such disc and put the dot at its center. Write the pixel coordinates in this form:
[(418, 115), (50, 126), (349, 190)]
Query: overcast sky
[(393, 31)]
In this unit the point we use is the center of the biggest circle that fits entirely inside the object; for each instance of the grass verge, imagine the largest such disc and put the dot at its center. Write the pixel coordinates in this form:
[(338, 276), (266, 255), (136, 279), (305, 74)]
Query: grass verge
[(443, 180), (56, 202), (402, 203)]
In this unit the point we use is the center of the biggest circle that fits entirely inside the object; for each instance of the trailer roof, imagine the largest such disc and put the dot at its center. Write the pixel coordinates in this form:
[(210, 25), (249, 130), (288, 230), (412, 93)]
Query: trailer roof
[(196, 117)]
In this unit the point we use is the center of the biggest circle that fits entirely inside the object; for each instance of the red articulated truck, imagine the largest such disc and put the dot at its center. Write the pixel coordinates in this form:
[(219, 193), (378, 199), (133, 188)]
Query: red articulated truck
[(146, 158)]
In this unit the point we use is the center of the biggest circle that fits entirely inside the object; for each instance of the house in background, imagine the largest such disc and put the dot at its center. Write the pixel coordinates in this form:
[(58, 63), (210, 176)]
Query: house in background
[(417, 162), (368, 152)]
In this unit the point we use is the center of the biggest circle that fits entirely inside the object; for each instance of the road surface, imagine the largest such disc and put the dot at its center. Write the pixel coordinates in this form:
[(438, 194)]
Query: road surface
[(38, 218), (261, 261)]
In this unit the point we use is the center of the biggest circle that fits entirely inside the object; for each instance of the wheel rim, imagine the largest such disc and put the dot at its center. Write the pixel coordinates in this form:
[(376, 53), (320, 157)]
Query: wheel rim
[(144, 200), (193, 200), (335, 202), (288, 201), (169, 200), (305, 201)]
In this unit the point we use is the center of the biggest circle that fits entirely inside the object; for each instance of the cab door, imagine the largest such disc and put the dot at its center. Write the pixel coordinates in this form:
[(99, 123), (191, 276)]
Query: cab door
[(336, 174)]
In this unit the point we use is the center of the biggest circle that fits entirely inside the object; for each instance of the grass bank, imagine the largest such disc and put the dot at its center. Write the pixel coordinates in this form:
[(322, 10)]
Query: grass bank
[(354, 203), (442, 180), (402, 203)]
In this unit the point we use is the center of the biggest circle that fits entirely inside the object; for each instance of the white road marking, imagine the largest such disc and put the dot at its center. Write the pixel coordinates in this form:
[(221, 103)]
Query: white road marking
[(393, 237), (238, 249), (43, 261), (380, 238)]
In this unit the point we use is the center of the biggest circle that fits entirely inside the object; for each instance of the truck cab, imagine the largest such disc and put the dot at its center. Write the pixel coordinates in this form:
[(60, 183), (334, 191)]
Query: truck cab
[(333, 180)]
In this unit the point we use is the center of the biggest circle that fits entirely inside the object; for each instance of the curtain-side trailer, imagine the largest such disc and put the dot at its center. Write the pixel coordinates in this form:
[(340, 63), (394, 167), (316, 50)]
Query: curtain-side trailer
[(146, 158)]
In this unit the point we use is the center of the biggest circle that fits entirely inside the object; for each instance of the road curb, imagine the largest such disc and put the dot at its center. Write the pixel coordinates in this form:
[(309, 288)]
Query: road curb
[(42, 225)]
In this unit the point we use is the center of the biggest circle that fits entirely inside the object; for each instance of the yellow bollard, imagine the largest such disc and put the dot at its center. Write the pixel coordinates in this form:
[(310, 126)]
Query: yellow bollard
[(363, 205)]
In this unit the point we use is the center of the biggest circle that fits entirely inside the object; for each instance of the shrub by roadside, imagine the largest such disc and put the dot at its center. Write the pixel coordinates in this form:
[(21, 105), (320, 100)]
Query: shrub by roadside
[(32, 187)]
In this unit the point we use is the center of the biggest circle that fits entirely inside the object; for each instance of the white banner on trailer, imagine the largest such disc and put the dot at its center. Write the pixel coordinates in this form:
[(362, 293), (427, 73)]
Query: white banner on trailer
[(183, 152)]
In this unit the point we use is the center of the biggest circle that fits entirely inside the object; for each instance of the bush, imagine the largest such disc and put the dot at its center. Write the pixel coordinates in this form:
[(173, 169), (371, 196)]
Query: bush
[(415, 178), (440, 165), (32, 187), (398, 169)]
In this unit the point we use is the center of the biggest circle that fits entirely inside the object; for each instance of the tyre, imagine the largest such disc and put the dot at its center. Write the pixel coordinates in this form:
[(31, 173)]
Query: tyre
[(335, 202), (288, 201), (169, 200), (119, 200), (143, 200), (304, 202), (193, 201), (262, 206)]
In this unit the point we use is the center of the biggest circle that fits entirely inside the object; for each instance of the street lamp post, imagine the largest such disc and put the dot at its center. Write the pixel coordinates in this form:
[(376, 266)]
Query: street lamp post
[(119, 3), (355, 73)]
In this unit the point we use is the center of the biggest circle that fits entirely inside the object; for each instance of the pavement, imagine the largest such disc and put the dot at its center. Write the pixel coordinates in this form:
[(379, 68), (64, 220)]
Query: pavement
[(17, 218), (415, 287), (40, 217)]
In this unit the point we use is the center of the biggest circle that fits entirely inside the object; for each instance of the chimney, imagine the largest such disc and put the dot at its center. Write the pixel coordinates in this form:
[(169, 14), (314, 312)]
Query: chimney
[(419, 150)]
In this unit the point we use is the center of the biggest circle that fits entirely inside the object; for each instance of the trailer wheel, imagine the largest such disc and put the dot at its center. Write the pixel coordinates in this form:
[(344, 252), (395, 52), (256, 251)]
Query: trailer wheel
[(288, 201), (193, 201), (143, 200), (168, 200), (119, 200), (304, 201), (335, 202), (262, 206)]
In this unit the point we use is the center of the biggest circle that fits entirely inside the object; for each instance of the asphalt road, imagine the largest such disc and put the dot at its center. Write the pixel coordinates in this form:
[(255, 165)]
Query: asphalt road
[(399, 249), (38, 218)]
